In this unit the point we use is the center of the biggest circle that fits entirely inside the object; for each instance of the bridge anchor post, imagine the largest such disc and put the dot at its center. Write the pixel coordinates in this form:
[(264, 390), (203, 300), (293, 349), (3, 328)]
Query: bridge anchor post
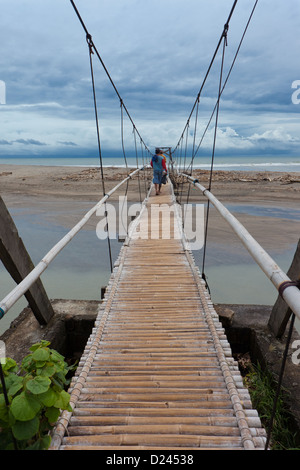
[(281, 313), (18, 263)]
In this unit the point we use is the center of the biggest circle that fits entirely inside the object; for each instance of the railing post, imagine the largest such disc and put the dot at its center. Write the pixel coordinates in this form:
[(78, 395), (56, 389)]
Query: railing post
[(281, 312), (18, 263)]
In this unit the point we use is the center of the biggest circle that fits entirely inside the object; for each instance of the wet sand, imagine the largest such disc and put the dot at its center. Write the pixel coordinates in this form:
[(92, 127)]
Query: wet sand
[(60, 196), (59, 191)]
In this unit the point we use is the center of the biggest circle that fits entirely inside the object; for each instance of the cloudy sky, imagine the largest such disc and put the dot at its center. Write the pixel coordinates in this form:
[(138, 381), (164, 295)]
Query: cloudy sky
[(157, 53)]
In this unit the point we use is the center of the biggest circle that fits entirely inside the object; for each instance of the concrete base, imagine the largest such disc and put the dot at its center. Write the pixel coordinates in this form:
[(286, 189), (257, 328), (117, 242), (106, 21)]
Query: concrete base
[(246, 327), (68, 330)]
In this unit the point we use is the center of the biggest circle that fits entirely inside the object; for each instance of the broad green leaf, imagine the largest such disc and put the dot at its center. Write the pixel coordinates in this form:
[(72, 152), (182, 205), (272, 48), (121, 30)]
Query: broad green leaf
[(41, 355), (41, 444), (52, 414), (24, 407), (27, 362), (11, 418), (48, 371), (3, 410), (42, 344), (6, 442), (14, 383), (45, 442), (26, 430), (38, 385), (56, 357), (40, 365), (35, 446), (63, 400), (48, 398), (10, 365)]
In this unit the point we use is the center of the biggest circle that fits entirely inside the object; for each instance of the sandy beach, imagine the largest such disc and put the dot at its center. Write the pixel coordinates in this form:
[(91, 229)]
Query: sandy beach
[(49, 201), (50, 187)]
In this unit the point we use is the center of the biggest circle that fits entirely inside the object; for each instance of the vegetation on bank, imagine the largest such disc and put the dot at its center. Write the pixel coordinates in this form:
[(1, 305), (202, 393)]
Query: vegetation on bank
[(31, 398), (263, 389)]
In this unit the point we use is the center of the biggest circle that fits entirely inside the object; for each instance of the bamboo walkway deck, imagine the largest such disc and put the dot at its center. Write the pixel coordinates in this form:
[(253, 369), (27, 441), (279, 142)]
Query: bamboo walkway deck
[(157, 371)]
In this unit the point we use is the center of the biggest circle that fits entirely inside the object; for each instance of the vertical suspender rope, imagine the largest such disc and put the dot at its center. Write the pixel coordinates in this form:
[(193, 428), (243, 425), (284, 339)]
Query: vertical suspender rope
[(103, 65), (137, 162), (186, 143), (194, 144), (124, 155), (210, 66), (185, 152), (270, 428), (143, 159), (90, 45), (227, 78), (213, 151), (93, 48), (122, 135)]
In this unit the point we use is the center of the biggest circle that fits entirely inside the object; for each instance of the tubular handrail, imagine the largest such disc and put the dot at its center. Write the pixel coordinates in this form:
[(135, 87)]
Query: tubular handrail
[(32, 277), (291, 294)]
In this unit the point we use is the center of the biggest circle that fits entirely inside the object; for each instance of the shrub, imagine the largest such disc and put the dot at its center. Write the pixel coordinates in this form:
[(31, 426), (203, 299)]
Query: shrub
[(36, 394)]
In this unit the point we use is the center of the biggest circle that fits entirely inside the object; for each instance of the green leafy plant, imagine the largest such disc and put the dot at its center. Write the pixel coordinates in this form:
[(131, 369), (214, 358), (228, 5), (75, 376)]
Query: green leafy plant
[(35, 393), (262, 389)]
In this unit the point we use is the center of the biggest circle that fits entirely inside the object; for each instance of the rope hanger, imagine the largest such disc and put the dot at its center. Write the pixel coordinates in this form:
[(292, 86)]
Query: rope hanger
[(92, 49)]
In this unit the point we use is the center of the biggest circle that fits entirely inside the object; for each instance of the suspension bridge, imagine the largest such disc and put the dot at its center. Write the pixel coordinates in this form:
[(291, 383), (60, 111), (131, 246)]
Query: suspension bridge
[(157, 371)]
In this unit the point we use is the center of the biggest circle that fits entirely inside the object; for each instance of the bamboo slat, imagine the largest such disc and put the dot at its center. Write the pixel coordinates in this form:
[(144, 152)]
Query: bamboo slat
[(157, 371)]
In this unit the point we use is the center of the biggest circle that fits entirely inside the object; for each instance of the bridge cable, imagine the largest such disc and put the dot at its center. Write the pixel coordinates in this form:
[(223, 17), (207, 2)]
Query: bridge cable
[(137, 162), (193, 151), (185, 155), (88, 38), (225, 82), (213, 153), (209, 68), (279, 384), (122, 135), (126, 164), (196, 104), (216, 108), (105, 69), (92, 49)]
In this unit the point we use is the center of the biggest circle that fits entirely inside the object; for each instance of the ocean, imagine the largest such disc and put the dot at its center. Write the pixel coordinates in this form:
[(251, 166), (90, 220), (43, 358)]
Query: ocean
[(234, 163)]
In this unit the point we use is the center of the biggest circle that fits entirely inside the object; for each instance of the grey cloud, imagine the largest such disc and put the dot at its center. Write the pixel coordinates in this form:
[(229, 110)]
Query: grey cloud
[(157, 54), (71, 144), (29, 142)]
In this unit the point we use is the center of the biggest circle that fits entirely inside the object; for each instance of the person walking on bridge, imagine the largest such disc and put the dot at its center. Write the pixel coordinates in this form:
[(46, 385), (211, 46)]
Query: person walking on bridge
[(158, 164)]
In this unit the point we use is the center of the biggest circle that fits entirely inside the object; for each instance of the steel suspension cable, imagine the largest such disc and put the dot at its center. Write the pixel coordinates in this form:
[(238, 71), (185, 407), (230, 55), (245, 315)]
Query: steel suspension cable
[(137, 162), (105, 69), (213, 157), (276, 398), (225, 81), (225, 29), (99, 147), (122, 135), (193, 151)]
